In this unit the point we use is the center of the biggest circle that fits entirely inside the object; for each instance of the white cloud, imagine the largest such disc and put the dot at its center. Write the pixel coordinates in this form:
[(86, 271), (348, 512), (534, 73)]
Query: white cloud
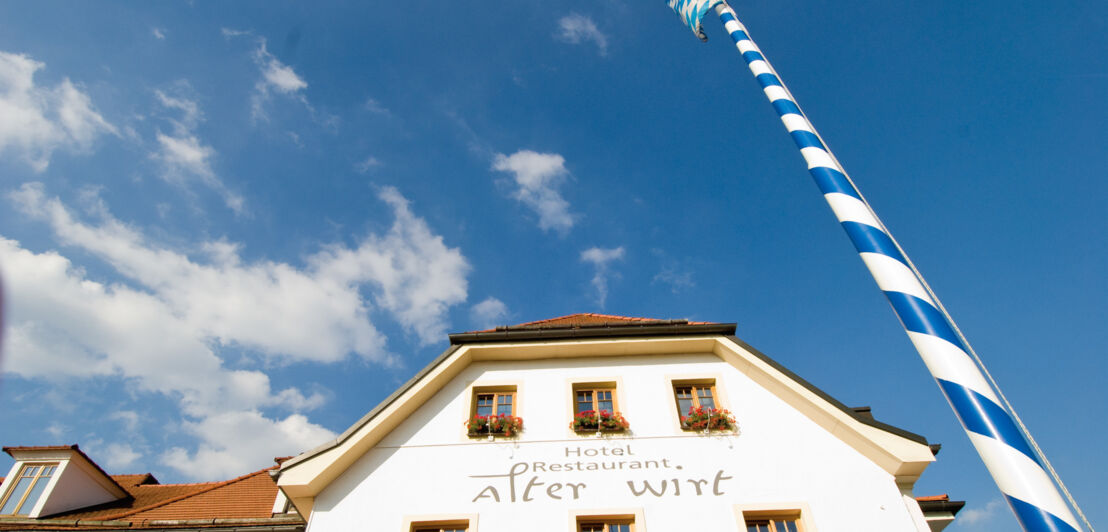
[(35, 120), (600, 258), (677, 280), (129, 418), (576, 29), (62, 325), (980, 517), (281, 76), (158, 33), (276, 77), (416, 276), (119, 456), (234, 441), (488, 313), (184, 157), (673, 273), (186, 154), (537, 176), (365, 165), (231, 32), (162, 335), (316, 313), (374, 106), (190, 111)]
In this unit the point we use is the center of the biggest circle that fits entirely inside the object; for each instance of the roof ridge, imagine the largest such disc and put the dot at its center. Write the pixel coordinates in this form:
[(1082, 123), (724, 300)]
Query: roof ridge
[(199, 483), (181, 497), (592, 314)]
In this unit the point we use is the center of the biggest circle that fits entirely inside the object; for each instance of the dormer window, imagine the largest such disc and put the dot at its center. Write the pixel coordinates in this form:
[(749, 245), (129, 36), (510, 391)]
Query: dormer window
[(27, 488)]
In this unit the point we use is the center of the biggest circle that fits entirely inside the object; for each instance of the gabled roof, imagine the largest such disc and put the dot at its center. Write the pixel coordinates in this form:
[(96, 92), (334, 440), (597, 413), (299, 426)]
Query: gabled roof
[(899, 452), (245, 501), (31, 452)]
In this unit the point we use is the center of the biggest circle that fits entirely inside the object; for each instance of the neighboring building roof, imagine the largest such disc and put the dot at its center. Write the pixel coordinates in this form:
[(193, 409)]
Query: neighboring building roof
[(248, 496), (242, 502)]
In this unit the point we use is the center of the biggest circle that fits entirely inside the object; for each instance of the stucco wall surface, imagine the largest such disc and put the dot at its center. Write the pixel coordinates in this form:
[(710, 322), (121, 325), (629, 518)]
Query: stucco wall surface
[(673, 479)]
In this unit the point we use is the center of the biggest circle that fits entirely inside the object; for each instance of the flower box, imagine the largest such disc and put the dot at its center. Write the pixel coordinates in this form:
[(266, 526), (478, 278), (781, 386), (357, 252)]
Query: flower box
[(500, 425), (602, 421), (708, 419)]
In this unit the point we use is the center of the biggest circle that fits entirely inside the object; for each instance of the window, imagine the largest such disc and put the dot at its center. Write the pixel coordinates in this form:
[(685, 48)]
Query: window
[(773, 524), (494, 403), (690, 396), (27, 488), (595, 399), (440, 526), (605, 524), (492, 412)]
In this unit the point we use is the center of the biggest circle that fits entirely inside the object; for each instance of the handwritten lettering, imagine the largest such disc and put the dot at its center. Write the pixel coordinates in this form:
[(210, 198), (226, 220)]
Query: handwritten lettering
[(661, 489), (534, 486), (517, 469)]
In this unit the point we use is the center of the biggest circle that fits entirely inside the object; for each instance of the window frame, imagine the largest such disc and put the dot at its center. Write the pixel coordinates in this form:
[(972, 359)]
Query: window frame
[(496, 388), (605, 521), (771, 523), (440, 522), (594, 388), (626, 515), (497, 391), (496, 403), (613, 383), (463, 526), (36, 479), (694, 389), (714, 380), (797, 512)]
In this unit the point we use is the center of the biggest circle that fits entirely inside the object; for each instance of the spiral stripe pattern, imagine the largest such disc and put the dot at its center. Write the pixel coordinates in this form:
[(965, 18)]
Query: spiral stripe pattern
[(1010, 460)]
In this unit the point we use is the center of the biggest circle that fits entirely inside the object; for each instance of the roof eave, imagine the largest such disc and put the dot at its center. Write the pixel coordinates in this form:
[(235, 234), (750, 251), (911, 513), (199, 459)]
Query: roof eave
[(594, 331)]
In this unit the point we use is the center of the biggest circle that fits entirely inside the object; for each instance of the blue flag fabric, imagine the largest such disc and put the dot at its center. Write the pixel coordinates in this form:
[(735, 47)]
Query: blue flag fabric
[(691, 11)]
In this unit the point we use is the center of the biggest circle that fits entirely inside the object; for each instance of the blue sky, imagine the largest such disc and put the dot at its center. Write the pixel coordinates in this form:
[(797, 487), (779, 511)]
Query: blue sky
[(229, 229)]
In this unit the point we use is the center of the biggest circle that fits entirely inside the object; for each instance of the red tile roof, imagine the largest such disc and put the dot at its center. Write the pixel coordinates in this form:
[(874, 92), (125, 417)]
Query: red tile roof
[(589, 319), (925, 498), (248, 496), (150, 503)]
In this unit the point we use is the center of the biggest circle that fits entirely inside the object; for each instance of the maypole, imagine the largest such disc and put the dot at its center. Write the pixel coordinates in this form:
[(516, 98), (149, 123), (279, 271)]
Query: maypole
[(1017, 469)]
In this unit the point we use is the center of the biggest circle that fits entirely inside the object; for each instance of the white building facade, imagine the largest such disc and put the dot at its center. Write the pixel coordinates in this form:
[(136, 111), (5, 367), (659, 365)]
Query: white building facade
[(793, 459)]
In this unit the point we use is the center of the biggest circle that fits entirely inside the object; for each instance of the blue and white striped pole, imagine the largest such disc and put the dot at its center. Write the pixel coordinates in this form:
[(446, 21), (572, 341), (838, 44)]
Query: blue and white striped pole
[(1015, 467)]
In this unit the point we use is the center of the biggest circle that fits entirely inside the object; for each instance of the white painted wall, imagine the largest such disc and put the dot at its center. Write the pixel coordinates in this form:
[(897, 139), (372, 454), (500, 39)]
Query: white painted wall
[(427, 466), (72, 487)]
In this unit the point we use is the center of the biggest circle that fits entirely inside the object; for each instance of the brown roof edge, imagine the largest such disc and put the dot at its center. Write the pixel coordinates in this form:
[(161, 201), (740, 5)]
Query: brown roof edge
[(73, 447), (659, 328), (867, 420), (940, 503)]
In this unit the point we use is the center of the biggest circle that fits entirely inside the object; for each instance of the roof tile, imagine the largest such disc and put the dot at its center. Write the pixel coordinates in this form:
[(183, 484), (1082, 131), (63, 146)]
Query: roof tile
[(589, 319), (248, 496)]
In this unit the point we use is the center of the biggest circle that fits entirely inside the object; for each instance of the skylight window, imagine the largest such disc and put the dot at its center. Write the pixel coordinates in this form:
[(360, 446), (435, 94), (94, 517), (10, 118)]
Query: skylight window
[(27, 488)]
